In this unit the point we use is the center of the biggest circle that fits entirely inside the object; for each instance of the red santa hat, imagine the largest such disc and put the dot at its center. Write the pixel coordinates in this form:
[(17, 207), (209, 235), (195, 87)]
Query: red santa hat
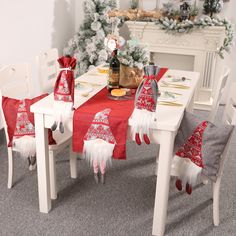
[(145, 105), (64, 92), (24, 134), (99, 142), (188, 159)]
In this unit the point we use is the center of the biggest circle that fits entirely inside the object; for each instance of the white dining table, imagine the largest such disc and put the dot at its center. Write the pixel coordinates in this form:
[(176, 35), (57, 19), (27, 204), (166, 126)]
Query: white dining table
[(163, 132)]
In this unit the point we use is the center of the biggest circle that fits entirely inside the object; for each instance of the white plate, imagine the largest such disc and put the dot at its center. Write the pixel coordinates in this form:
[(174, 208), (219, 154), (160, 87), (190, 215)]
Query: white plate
[(176, 80), (93, 78), (83, 88), (164, 97)]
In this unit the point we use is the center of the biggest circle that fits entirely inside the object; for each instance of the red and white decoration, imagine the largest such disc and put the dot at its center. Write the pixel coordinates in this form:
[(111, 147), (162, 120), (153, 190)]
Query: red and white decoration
[(64, 93), (145, 105), (24, 134), (99, 142), (113, 41), (188, 159)]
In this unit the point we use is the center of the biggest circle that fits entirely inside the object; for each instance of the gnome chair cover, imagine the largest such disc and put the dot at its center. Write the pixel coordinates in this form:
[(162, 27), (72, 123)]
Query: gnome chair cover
[(20, 125), (199, 146), (145, 105), (64, 92), (24, 134), (99, 142)]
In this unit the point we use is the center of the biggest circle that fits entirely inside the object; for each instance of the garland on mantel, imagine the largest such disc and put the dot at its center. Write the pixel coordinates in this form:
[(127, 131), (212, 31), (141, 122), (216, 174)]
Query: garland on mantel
[(176, 26), (172, 25)]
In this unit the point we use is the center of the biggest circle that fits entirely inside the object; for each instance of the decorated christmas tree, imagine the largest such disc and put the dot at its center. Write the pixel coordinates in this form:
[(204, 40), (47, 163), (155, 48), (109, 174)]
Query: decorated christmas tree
[(88, 44), (212, 6)]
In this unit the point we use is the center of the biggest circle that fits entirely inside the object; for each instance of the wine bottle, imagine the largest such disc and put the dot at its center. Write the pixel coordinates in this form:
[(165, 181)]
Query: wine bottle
[(114, 72)]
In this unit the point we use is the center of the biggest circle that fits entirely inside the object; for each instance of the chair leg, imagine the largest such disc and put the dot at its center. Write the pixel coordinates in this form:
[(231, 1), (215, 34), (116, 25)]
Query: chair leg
[(157, 159), (204, 180), (52, 174), (216, 201), (10, 168), (73, 163)]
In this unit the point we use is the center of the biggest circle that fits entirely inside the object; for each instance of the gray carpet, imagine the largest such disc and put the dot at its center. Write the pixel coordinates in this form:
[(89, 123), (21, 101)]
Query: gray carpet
[(124, 206)]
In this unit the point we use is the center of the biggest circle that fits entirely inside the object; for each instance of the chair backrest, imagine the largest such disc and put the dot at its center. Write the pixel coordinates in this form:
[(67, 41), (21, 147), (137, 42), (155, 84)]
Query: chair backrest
[(15, 82), (218, 94), (229, 117), (2, 120), (48, 69)]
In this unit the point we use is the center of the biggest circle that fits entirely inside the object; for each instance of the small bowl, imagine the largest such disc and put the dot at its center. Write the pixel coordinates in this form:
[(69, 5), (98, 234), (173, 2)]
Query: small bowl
[(103, 70)]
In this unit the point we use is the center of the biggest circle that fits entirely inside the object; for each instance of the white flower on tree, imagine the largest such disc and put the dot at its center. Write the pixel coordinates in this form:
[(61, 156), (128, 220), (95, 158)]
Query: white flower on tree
[(83, 67), (89, 6), (92, 58), (103, 55), (90, 48), (96, 25), (96, 16), (100, 35)]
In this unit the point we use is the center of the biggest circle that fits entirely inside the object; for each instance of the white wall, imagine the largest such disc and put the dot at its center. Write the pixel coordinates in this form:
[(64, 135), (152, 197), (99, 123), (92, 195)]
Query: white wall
[(29, 27)]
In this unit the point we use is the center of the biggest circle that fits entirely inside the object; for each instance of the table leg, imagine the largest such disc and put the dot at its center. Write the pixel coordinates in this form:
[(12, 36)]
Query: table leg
[(157, 160), (73, 163), (163, 180), (42, 164), (190, 105)]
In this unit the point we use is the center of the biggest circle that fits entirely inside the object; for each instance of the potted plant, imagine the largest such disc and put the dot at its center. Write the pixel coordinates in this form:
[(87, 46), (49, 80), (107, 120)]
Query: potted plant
[(133, 58)]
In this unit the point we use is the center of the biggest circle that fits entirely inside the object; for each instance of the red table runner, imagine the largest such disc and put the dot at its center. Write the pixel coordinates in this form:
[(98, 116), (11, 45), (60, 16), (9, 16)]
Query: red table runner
[(121, 110)]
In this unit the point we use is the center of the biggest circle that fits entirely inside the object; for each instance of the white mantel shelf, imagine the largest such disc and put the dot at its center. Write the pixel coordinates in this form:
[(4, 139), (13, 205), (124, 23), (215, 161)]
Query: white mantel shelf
[(202, 43)]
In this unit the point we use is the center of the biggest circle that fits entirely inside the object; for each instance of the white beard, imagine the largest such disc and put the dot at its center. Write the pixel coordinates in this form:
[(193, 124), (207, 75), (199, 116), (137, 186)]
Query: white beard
[(141, 122), (186, 170), (62, 111), (98, 150), (25, 146)]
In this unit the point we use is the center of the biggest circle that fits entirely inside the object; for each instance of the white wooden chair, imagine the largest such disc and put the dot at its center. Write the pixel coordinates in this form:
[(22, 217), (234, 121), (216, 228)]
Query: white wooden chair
[(218, 94), (229, 117), (12, 77), (18, 76), (48, 69)]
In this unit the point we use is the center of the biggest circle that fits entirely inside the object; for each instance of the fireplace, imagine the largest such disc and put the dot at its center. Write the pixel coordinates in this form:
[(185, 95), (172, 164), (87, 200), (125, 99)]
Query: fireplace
[(194, 51)]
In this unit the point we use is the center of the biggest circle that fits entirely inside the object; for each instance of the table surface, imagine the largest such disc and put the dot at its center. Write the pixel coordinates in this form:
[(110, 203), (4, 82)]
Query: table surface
[(168, 117)]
